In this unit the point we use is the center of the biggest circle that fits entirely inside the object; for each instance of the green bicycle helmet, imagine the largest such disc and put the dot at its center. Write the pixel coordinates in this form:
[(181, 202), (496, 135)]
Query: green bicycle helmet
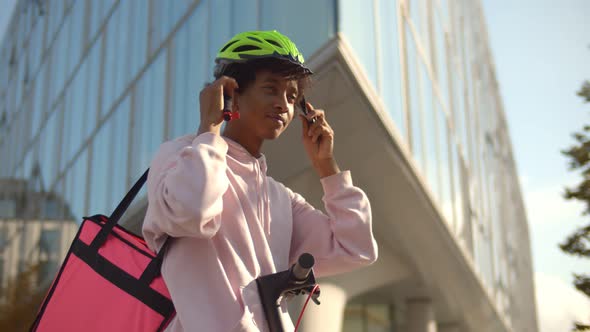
[(260, 44)]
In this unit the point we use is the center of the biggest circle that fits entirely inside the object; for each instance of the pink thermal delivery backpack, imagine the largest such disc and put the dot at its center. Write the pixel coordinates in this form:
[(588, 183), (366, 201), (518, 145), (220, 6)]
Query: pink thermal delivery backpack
[(109, 281)]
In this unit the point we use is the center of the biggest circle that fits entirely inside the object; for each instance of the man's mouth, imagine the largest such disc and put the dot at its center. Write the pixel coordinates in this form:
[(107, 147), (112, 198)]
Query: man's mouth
[(277, 117)]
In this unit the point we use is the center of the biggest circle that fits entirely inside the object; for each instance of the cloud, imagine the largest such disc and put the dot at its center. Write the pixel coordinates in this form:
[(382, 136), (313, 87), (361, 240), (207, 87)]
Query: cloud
[(559, 304), (546, 205)]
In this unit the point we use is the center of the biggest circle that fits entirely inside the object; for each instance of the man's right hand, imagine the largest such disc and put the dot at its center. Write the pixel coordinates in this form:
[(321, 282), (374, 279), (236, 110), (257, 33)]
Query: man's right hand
[(211, 103)]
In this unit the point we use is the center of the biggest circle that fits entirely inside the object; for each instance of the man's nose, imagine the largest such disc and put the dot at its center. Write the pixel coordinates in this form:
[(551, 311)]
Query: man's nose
[(281, 103)]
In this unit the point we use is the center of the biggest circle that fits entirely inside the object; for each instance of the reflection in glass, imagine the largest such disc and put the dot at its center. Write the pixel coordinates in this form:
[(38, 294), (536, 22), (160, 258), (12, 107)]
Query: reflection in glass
[(75, 126), (217, 33), (3, 166), (119, 154), (92, 80), (7, 211), (443, 146), (76, 187), (77, 14), (63, 206), (390, 64), (319, 23), (67, 44), (95, 17), (414, 8), (169, 12), (429, 132), (61, 70), (247, 11), (38, 102), (188, 76), (17, 142), (415, 103), (356, 19), (66, 131), (122, 56), (138, 32), (37, 42), (464, 231), (100, 165), (112, 57), (148, 131), (459, 111), (28, 164), (33, 114), (49, 150), (49, 241), (18, 87), (441, 58), (99, 12)]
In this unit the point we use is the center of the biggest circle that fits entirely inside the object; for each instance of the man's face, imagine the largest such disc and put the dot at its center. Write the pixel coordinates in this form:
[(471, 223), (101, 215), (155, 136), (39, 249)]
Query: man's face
[(267, 106)]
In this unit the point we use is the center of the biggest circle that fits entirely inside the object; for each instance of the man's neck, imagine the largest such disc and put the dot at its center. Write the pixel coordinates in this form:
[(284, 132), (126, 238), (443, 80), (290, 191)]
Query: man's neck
[(252, 144)]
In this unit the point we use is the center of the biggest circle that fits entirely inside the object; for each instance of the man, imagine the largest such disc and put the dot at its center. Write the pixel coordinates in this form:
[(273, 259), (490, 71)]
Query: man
[(231, 223)]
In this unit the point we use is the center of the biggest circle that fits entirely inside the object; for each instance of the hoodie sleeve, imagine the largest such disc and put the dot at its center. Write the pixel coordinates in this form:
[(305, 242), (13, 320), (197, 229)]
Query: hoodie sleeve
[(343, 239), (185, 186)]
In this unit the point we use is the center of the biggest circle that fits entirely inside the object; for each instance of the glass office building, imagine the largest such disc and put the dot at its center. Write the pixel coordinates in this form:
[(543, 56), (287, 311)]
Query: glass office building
[(89, 89)]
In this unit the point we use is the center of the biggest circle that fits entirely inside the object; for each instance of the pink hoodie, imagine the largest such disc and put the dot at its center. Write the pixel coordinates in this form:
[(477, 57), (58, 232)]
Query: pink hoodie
[(233, 223)]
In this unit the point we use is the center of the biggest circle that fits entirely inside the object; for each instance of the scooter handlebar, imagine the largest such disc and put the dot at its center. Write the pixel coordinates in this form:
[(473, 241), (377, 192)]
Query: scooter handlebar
[(302, 267)]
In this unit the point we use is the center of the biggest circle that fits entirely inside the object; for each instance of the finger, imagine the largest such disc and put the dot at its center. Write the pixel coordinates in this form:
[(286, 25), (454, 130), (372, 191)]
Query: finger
[(228, 84), (309, 110), (319, 122), (304, 125), (318, 131), (326, 133), (318, 114), (318, 134), (313, 127), (226, 80)]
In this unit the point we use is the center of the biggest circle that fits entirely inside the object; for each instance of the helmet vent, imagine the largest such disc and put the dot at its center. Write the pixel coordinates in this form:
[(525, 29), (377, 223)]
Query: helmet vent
[(227, 45), (273, 42), (245, 48), (255, 39)]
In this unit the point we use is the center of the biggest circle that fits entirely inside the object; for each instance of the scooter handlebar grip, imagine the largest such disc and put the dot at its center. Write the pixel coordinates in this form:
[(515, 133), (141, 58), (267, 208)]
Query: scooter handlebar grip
[(303, 266)]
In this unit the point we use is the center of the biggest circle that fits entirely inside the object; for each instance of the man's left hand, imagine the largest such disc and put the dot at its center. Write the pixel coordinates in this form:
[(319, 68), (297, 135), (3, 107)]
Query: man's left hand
[(318, 140)]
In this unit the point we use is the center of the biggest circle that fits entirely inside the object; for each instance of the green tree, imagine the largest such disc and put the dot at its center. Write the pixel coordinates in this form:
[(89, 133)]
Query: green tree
[(578, 243)]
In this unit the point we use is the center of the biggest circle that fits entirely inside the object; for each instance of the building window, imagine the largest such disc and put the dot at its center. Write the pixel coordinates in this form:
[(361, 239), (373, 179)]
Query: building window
[(49, 252), (364, 317), (7, 208), (51, 209), (3, 242), (49, 242)]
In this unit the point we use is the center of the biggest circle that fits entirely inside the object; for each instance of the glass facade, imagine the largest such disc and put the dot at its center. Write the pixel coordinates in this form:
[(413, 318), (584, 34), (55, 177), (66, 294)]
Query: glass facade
[(89, 89), (430, 65)]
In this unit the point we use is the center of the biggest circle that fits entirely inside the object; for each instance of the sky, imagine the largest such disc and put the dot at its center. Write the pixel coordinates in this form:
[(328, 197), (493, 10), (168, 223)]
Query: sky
[(541, 50)]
